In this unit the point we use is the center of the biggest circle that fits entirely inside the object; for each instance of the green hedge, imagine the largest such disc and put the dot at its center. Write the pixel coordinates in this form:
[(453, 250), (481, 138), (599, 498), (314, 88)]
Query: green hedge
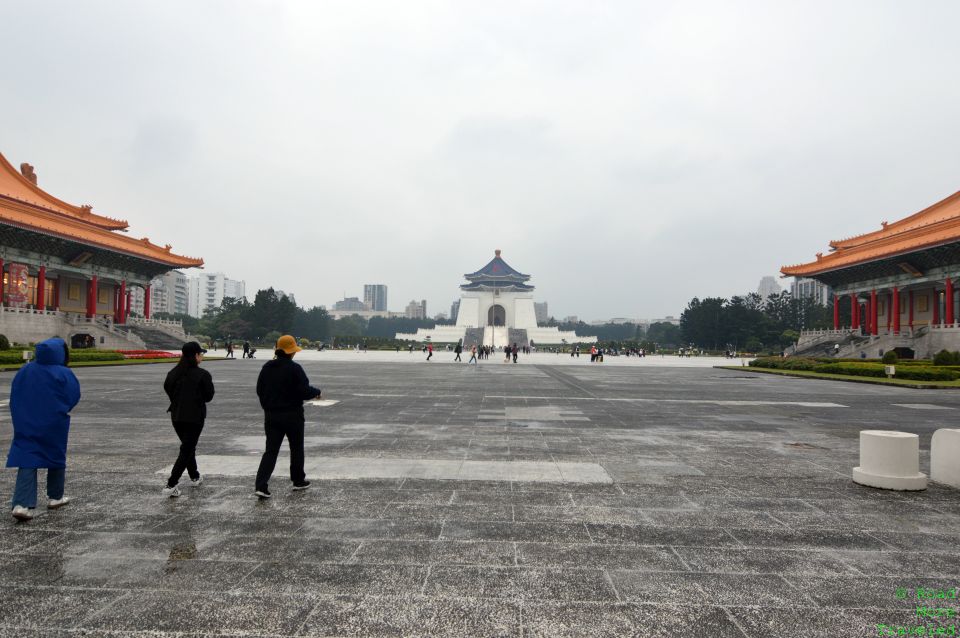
[(790, 363), (13, 357), (928, 374), (853, 369), (858, 368), (946, 358)]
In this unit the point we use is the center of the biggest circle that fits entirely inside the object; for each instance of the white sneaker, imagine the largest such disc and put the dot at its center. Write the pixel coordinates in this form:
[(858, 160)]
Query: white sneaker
[(58, 502), (22, 513), (172, 492), (197, 481)]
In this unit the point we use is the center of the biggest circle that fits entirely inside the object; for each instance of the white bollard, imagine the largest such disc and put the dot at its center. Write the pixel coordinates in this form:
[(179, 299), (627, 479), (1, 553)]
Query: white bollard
[(945, 457), (890, 460)]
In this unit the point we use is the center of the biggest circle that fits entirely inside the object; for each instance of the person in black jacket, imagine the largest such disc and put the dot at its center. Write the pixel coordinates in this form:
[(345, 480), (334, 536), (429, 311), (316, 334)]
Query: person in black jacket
[(190, 388), (283, 387)]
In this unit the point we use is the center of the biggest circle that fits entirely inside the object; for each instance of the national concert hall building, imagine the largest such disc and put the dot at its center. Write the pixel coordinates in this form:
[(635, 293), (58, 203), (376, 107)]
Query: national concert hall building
[(69, 272), (898, 284)]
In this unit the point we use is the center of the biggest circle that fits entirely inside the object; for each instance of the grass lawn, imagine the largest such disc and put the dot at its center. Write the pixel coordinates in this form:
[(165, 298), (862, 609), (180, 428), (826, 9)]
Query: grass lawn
[(904, 383)]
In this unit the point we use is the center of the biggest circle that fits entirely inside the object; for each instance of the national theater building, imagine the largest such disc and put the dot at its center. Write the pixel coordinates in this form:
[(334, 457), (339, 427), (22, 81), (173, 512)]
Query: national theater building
[(69, 272), (898, 284), (496, 309)]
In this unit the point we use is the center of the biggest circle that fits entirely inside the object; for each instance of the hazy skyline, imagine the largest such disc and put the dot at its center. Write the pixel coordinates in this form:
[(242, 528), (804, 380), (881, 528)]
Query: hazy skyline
[(628, 156)]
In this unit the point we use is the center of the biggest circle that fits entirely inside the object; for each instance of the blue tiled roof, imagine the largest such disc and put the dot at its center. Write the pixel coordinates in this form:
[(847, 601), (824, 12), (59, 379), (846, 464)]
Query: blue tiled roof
[(499, 270), (501, 284)]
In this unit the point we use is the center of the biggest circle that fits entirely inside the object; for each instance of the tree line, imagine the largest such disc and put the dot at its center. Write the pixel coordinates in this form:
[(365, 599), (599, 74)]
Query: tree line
[(272, 313), (752, 323)]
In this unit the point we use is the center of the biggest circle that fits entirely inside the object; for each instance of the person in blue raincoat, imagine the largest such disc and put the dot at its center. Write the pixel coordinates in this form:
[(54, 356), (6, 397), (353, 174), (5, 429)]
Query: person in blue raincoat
[(41, 397)]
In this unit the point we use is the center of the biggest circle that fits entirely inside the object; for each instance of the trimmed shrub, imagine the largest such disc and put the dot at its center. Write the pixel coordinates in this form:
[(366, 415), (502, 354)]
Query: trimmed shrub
[(946, 358), (890, 357), (792, 363), (852, 369), (856, 368), (928, 374), (4, 343)]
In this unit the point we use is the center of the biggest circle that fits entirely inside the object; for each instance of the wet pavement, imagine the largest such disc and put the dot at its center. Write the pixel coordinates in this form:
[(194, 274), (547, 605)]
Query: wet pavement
[(528, 499)]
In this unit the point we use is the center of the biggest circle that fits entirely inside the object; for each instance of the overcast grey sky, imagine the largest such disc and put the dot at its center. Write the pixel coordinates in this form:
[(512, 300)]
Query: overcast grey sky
[(627, 155)]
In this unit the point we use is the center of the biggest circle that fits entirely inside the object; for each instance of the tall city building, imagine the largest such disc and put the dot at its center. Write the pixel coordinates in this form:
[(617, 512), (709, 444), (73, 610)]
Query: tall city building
[(208, 291), (540, 310), (169, 293), (416, 309), (802, 288), (768, 287), (454, 310), (375, 296), (173, 290)]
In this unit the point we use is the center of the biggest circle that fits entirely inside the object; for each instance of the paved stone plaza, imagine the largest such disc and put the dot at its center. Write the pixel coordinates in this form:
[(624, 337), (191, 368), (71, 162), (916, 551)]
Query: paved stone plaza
[(535, 499)]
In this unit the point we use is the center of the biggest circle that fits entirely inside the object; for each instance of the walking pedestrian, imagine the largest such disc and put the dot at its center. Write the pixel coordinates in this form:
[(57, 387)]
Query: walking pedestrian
[(282, 387), (230, 351), (473, 355), (190, 389), (429, 351), (41, 396), (246, 349), (515, 351), (458, 349)]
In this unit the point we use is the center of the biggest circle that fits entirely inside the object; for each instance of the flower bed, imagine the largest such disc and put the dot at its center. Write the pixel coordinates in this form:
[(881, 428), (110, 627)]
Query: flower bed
[(148, 354)]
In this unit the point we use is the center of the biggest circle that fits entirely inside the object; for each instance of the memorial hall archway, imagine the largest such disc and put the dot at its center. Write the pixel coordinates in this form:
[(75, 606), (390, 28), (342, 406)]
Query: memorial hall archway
[(496, 316)]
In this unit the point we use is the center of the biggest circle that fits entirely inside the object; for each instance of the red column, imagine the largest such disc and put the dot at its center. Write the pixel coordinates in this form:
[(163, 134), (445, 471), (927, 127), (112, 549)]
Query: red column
[(146, 302), (3, 289), (836, 312), (936, 307), (854, 311), (948, 302), (865, 317), (874, 323), (41, 289), (910, 302), (121, 303), (888, 311), (126, 305), (92, 297), (56, 294), (895, 310)]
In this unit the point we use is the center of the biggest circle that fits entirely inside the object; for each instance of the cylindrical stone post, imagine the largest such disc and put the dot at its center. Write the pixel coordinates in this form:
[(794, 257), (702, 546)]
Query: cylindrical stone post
[(890, 460)]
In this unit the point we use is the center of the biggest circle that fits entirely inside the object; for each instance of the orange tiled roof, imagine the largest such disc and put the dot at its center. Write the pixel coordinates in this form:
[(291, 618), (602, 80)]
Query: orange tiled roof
[(16, 186), (24, 205), (938, 224)]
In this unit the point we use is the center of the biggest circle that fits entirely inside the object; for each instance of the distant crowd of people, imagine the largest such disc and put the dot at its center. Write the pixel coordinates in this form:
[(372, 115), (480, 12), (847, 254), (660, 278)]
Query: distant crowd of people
[(248, 350), (478, 353)]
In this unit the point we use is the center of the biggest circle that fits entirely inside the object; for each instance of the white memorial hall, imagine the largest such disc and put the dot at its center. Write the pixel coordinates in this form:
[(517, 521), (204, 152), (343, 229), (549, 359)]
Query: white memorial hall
[(496, 309)]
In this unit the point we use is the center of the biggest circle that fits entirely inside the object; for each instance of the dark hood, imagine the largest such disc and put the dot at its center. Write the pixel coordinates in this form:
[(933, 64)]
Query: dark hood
[(51, 352)]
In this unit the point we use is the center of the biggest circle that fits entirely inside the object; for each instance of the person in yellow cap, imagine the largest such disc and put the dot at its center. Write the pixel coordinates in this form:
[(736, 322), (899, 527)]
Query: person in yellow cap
[(283, 387)]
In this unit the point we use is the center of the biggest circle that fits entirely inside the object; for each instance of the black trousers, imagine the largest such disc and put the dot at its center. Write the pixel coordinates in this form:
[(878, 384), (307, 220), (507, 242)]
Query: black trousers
[(276, 430), (189, 434)]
